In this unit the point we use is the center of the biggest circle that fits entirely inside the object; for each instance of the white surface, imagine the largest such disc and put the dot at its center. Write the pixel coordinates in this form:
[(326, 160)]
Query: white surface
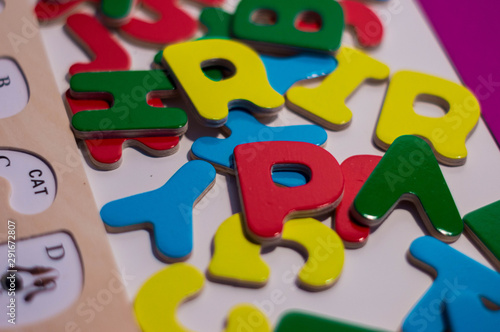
[(32, 183), (14, 90), (378, 286), (57, 251)]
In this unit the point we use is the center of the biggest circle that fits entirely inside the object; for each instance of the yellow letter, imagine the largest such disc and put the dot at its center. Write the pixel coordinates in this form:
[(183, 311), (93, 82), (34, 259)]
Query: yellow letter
[(237, 260), (157, 301), (247, 317), (447, 134), (247, 88), (325, 104)]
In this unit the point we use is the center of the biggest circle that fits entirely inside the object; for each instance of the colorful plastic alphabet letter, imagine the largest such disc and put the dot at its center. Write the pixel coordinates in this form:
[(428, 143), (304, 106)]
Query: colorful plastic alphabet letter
[(468, 313), (166, 211), (329, 109), (366, 24), (409, 171), (157, 301), (173, 25), (456, 274), (483, 226), (294, 321), (106, 154), (244, 128), (267, 206), (237, 261), (247, 88), (356, 170), (217, 21), (285, 31), (247, 317), (107, 53), (448, 133), (126, 118), (323, 248)]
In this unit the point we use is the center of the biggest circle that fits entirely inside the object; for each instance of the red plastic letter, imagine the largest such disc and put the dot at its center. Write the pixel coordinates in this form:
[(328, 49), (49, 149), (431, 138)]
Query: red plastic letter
[(107, 53), (356, 170), (174, 24), (366, 24), (267, 206)]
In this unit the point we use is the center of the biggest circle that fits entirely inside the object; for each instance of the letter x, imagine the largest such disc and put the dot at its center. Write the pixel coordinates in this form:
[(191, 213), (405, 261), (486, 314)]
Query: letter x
[(420, 181), (166, 211)]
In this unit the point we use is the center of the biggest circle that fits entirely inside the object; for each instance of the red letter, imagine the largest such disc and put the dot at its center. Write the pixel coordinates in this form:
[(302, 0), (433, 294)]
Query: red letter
[(266, 206), (356, 170)]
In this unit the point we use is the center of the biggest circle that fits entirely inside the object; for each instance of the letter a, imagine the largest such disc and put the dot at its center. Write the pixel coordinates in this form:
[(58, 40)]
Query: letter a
[(425, 187)]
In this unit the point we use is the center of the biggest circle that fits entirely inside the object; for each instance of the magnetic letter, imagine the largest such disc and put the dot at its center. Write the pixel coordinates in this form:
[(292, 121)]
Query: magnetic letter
[(447, 133), (356, 170), (457, 276), (129, 118), (483, 226), (106, 52), (285, 31), (173, 25), (166, 211), (325, 104), (421, 182), (267, 206), (248, 87)]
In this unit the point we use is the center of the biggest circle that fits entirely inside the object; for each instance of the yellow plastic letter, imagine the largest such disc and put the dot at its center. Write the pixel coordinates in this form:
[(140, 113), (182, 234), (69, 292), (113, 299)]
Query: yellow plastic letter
[(325, 104), (323, 247), (447, 134), (246, 317), (236, 260), (247, 88), (157, 301)]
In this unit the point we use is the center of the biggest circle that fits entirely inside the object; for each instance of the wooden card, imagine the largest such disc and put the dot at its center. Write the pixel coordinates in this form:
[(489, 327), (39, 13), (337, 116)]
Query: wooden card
[(58, 218)]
